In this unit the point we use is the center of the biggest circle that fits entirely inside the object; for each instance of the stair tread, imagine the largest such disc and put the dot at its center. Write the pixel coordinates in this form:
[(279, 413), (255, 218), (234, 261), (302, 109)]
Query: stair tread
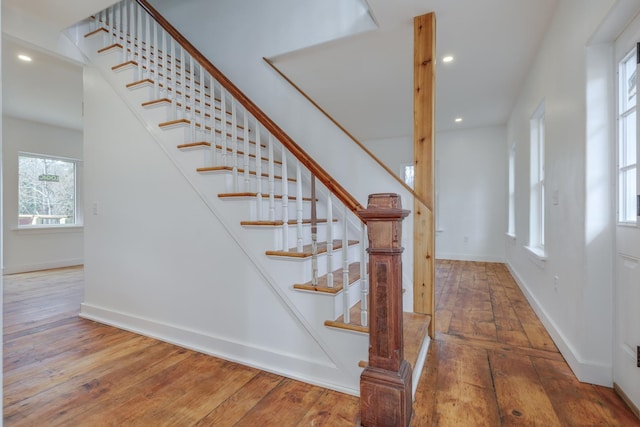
[(205, 144), (250, 194), (187, 122), (354, 275), (188, 108), (240, 170), (306, 249), (195, 144), (151, 82), (414, 330), (266, 223), (415, 327)]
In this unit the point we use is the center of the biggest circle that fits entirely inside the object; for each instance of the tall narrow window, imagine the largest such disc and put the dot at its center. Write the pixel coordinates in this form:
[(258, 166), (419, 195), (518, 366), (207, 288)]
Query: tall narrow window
[(46, 190), (627, 139), (536, 207), (511, 226)]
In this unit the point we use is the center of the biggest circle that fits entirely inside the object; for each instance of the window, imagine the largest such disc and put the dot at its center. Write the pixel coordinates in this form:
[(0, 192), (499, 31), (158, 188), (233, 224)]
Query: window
[(46, 191), (511, 226), (536, 207), (627, 139), (408, 174)]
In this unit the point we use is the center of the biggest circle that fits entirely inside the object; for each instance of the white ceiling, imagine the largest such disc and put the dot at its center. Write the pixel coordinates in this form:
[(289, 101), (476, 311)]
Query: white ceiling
[(364, 81), (48, 89)]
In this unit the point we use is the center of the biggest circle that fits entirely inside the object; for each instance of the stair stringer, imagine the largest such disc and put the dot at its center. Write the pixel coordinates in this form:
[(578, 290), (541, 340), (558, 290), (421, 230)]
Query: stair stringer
[(342, 350)]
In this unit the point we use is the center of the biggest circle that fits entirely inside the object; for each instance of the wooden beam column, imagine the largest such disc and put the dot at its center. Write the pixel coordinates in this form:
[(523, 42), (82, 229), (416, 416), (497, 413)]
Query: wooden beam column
[(424, 166), (385, 384)]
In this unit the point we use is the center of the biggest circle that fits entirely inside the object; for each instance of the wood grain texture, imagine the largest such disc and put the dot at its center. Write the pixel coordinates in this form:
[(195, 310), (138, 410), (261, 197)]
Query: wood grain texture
[(424, 65), (61, 370)]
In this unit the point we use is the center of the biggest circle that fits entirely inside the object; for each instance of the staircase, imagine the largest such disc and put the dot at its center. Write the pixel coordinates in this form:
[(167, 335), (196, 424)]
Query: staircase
[(298, 227)]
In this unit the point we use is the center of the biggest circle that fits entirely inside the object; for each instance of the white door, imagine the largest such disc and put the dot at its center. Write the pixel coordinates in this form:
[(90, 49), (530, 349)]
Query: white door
[(626, 340)]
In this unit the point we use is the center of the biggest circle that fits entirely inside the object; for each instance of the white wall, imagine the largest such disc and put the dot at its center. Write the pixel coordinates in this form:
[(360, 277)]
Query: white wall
[(472, 181), (393, 152), (574, 308), (29, 250)]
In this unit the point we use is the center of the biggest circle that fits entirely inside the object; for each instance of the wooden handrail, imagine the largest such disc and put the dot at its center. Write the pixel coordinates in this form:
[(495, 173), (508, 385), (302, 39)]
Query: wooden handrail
[(346, 132), (332, 185)]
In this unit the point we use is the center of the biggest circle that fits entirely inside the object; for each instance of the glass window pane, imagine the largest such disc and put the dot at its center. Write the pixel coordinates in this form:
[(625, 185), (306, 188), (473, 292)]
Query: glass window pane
[(47, 191), (628, 140), (629, 83), (628, 195)]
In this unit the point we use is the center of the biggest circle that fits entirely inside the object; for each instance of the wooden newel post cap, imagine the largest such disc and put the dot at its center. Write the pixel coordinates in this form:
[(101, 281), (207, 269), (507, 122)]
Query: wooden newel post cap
[(383, 207), (383, 216)]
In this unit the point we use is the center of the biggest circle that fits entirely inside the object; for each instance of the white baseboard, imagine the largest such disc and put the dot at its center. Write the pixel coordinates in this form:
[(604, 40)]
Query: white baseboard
[(469, 257), (26, 268), (288, 365), (586, 371)]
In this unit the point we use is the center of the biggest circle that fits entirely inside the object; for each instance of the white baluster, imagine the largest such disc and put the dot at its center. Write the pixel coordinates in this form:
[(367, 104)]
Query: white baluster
[(364, 279), (124, 30), (234, 143), (182, 86), (145, 42), (345, 270), (298, 206), (245, 123), (203, 104), (212, 137), (329, 241), (223, 127), (137, 43), (285, 202), (272, 182), (258, 171), (118, 23), (314, 234), (193, 98), (174, 80), (164, 62), (106, 20)]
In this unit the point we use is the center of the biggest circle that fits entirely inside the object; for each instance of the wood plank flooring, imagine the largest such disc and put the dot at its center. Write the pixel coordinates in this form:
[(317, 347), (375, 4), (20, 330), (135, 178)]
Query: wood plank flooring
[(491, 364)]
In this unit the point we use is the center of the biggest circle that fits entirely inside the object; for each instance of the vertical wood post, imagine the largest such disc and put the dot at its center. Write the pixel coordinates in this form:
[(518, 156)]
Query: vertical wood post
[(385, 384), (424, 165)]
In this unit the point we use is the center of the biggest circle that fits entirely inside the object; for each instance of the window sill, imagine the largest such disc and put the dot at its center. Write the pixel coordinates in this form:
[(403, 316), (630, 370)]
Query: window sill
[(510, 236), (48, 229), (537, 255)]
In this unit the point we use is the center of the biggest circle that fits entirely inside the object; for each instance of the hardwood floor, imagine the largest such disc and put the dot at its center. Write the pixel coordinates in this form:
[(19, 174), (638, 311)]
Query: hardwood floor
[(491, 364)]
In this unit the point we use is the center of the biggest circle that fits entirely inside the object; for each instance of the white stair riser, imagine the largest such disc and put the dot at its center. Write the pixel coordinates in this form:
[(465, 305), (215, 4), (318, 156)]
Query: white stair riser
[(273, 236)]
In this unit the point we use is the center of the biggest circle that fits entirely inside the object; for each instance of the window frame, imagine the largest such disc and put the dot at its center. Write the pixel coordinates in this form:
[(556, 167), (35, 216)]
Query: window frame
[(623, 167), (537, 228), (511, 192), (78, 212)]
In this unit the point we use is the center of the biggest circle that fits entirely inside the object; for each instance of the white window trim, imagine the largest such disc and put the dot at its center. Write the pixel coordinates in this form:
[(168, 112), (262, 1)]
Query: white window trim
[(537, 226), (621, 113), (79, 213), (511, 193)]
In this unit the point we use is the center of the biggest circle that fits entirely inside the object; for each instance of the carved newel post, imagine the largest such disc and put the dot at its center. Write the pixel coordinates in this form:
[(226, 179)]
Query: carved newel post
[(385, 384)]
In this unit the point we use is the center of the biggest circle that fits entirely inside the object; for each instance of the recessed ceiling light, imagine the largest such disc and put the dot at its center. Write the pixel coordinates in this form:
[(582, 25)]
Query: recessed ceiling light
[(447, 58), (24, 58), (458, 119)]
